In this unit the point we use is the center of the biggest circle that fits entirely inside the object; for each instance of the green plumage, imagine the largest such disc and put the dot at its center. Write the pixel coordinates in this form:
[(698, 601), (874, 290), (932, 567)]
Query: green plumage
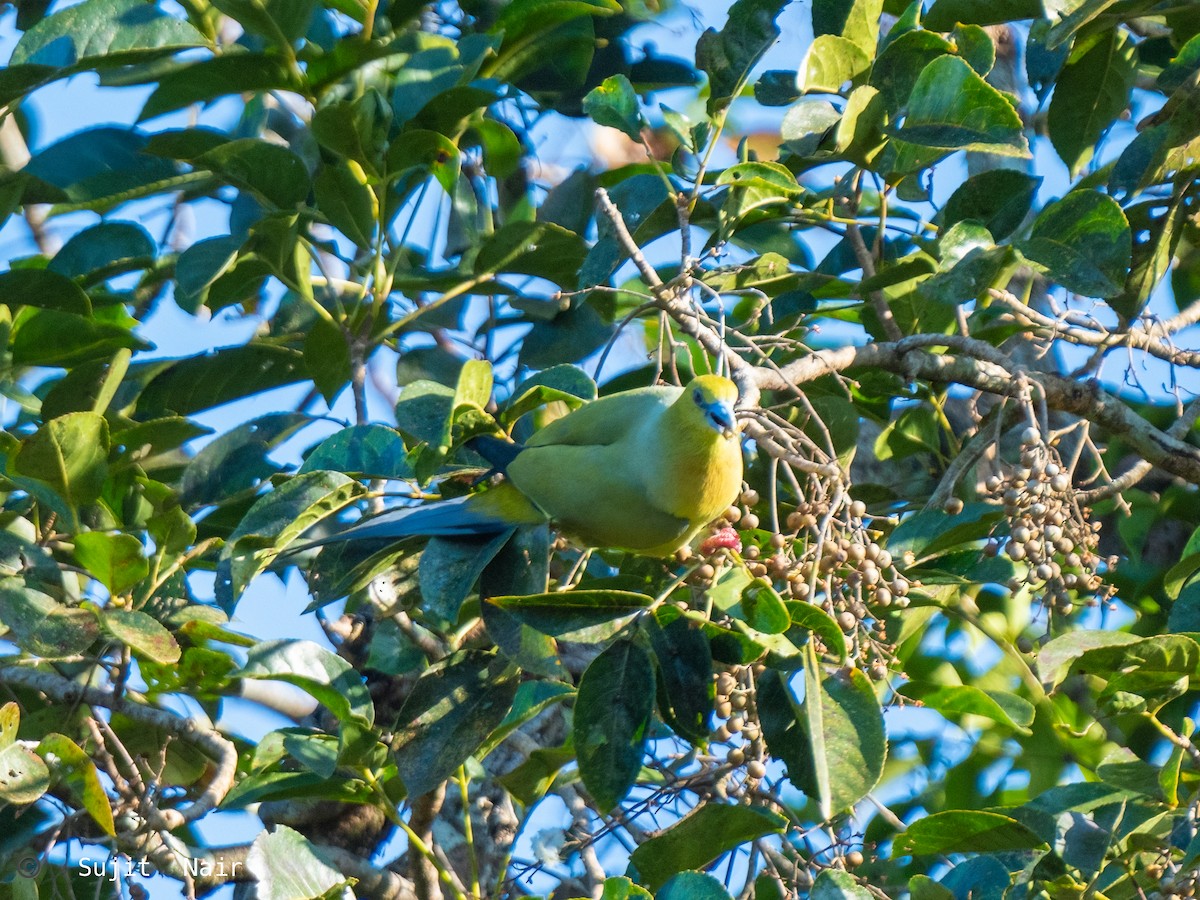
[(642, 470)]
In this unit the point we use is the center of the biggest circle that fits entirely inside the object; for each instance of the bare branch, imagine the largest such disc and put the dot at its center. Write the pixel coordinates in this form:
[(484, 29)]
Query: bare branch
[(194, 732)]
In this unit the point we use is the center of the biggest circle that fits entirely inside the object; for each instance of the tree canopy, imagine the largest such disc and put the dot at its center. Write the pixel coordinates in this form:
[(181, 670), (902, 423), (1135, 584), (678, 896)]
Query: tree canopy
[(943, 645)]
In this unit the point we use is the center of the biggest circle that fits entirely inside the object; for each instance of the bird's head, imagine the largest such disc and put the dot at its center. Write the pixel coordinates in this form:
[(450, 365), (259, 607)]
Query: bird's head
[(713, 397)]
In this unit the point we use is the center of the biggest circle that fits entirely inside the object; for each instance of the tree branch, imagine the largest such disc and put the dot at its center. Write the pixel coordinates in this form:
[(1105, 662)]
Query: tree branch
[(202, 737)]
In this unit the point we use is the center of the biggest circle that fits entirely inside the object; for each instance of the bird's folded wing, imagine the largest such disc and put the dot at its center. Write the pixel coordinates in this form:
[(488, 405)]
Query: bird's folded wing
[(607, 420)]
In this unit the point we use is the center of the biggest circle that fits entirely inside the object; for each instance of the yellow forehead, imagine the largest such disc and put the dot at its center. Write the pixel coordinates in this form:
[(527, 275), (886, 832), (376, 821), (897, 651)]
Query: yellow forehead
[(714, 389)]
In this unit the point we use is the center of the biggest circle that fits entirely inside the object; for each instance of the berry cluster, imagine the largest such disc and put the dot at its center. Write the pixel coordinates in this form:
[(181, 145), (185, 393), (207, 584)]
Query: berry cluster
[(1051, 537), (736, 707)]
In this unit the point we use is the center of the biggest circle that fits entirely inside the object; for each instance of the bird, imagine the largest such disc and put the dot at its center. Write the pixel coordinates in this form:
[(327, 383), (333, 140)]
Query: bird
[(643, 471)]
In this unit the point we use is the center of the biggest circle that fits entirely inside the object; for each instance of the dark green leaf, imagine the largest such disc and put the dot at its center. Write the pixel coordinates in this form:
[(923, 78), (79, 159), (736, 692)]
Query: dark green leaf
[(685, 666), (274, 521), (1092, 90), (588, 616), (700, 837), (727, 56), (237, 460), (324, 675), (202, 382), (210, 79), (944, 14), (104, 250), (952, 108), (854, 20), (615, 104), (455, 705), (271, 172), (44, 289), (693, 886), (119, 31), (966, 831), (612, 720), (349, 204), (450, 567), (47, 337), (372, 450), (425, 150), (99, 168), (998, 199), (1083, 242)]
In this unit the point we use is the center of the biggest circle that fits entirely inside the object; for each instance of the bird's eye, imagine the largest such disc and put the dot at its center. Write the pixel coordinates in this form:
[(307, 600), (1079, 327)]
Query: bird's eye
[(697, 396)]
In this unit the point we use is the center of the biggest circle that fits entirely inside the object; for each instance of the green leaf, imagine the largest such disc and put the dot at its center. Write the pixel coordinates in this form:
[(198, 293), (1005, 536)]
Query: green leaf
[(685, 685), (834, 885), (274, 521), (930, 532), (1083, 242), (1185, 611), (998, 199), (728, 55), (829, 63), (952, 108), (77, 771), (854, 20), (586, 616), (965, 699), (210, 79), (116, 31), (944, 14), (116, 560), (23, 775), (621, 888), (1056, 657), (425, 150), (846, 734), (966, 831), (455, 705), (372, 450), (693, 886), (1091, 92), (103, 251), (612, 720), (42, 626), (70, 454), (46, 337), (450, 567), (44, 289), (237, 460), (285, 866), (144, 634), (324, 675), (201, 382), (806, 124), (615, 104), (327, 358), (271, 172), (700, 837), (99, 168), (899, 66), (346, 200), (812, 618)]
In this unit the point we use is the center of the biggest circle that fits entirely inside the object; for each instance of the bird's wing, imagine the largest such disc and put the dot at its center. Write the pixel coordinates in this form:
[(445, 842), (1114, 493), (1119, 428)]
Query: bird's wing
[(605, 421), (489, 512)]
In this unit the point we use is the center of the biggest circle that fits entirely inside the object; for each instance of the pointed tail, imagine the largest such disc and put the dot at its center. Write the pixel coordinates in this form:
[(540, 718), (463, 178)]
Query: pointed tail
[(489, 512)]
